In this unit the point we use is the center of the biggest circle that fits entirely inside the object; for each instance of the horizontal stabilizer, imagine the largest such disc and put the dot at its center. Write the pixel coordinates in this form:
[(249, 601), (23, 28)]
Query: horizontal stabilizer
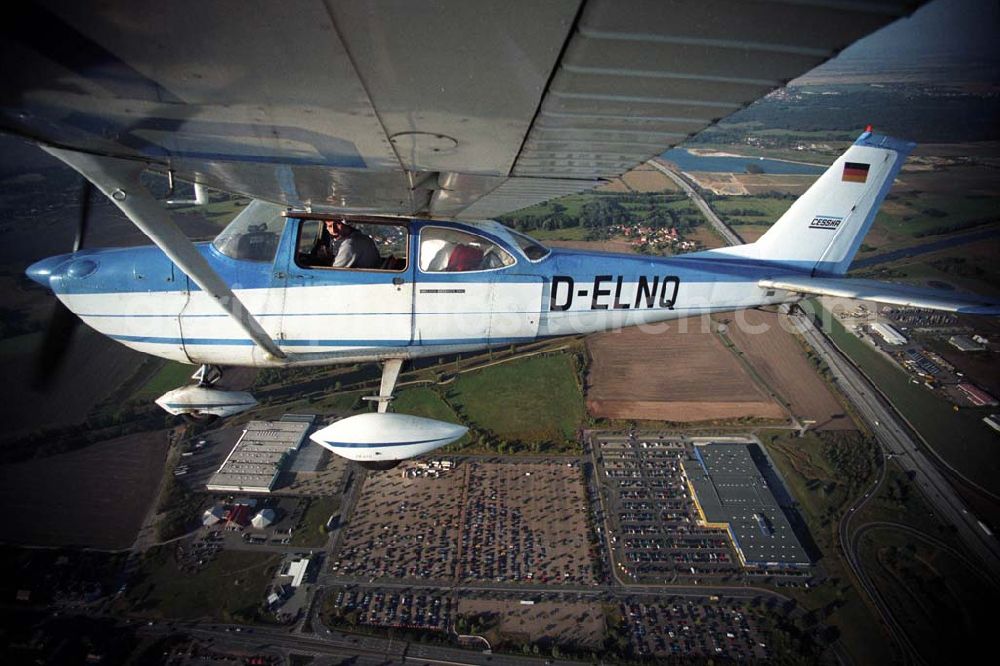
[(884, 292)]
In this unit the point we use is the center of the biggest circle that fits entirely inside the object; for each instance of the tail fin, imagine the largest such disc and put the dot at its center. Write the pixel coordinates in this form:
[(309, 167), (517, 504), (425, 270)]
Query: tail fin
[(823, 229)]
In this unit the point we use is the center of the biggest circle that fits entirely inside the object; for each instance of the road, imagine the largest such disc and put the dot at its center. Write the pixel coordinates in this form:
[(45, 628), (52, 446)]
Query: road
[(895, 439), (892, 432), (894, 435), (727, 234)]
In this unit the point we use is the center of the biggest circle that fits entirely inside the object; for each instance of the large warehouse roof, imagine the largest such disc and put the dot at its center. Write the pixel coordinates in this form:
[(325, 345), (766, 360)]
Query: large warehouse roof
[(729, 489), (255, 462)]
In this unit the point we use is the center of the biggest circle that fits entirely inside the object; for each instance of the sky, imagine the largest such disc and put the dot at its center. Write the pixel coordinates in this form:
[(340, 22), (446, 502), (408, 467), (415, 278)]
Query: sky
[(962, 36)]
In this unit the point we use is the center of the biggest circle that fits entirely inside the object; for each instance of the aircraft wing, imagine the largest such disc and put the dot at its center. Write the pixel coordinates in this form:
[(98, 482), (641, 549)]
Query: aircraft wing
[(884, 292), (448, 108)]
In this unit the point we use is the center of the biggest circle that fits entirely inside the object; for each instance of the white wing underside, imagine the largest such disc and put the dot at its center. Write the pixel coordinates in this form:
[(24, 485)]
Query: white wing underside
[(884, 292), (446, 109)]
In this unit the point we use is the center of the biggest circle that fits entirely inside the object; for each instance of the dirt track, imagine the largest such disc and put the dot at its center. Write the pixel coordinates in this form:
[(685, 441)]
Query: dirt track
[(671, 376)]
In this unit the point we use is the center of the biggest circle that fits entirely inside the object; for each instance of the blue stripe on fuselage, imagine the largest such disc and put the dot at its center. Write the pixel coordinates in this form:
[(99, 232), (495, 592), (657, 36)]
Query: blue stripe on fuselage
[(367, 445)]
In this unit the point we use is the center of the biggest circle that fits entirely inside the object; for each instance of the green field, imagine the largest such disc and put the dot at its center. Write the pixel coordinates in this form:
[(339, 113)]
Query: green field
[(169, 377), (537, 399), (969, 267), (231, 587), (960, 437), (824, 471), (751, 210), (311, 530), (567, 234), (932, 594)]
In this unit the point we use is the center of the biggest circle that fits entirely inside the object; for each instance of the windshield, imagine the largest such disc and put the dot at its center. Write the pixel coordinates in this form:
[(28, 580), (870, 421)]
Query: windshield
[(253, 235), (532, 249)]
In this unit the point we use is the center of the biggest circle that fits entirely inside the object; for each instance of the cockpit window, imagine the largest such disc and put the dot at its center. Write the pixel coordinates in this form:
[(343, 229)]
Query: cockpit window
[(532, 249), (352, 244), (253, 235), (449, 250)]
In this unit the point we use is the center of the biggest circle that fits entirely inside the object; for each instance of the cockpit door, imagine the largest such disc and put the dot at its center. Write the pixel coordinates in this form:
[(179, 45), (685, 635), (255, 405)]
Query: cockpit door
[(355, 309)]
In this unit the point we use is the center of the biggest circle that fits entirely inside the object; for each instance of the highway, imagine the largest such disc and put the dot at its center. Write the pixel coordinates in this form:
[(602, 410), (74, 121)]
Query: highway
[(723, 230), (896, 441), (891, 431), (895, 437)]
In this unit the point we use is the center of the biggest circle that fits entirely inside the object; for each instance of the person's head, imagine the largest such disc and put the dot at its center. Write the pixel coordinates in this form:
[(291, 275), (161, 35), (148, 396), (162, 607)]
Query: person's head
[(337, 227)]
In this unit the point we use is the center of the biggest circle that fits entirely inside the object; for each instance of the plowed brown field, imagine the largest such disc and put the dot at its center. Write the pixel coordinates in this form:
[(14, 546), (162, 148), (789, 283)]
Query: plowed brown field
[(95, 497), (671, 376), (780, 361)]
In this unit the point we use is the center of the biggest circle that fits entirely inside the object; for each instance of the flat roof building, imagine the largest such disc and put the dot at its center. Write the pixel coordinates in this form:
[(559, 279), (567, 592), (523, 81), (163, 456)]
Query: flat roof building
[(731, 493), (297, 569), (888, 333), (259, 456), (965, 343)]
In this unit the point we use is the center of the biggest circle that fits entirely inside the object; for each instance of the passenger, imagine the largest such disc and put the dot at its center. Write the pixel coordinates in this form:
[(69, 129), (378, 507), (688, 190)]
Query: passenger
[(343, 246), (465, 258)]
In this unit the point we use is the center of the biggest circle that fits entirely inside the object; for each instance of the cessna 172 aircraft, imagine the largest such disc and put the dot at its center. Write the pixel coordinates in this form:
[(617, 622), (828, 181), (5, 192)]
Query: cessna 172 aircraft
[(403, 118)]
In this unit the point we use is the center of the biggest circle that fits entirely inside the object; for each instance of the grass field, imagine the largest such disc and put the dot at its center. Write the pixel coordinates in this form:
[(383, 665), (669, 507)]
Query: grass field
[(750, 210), (311, 530), (170, 376), (230, 587), (824, 471), (969, 267), (568, 234), (536, 399), (427, 402), (960, 437), (932, 594)]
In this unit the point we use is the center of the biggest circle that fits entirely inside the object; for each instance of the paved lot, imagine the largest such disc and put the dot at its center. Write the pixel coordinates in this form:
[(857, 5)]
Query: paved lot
[(656, 537), (685, 628), (506, 522)]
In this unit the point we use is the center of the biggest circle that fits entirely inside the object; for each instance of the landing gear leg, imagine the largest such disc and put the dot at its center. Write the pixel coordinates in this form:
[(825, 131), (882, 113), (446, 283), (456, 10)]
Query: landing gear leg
[(207, 375), (390, 373)]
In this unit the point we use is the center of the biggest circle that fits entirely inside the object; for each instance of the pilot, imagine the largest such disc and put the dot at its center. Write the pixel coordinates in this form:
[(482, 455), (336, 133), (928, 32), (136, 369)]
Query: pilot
[(345, 247)]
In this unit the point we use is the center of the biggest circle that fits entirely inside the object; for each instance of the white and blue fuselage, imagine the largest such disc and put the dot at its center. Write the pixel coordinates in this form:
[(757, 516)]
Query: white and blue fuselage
[(318, 315)]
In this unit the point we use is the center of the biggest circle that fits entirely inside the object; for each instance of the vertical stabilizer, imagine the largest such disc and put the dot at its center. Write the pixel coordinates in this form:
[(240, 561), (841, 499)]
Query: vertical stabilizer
[(823, 229)]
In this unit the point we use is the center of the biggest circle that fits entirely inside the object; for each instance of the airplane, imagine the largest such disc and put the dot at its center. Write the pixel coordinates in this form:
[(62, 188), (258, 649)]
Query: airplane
[(381, 114)]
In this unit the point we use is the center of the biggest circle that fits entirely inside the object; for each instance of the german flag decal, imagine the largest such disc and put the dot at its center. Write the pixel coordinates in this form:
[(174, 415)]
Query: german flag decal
[(855, 172)]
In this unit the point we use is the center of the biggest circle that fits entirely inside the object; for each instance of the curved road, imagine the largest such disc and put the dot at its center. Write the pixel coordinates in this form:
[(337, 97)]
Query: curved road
[(893, 436)]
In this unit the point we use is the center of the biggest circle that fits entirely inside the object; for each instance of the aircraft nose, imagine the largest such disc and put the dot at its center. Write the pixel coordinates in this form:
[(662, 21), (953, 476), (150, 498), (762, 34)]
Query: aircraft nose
[(41, 271)]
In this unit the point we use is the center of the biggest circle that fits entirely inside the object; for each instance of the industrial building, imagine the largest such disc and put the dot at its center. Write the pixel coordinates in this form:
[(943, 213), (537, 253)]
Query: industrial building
[(260, 454), (730, 493), (976, 395), (888, 333), (965, 343)]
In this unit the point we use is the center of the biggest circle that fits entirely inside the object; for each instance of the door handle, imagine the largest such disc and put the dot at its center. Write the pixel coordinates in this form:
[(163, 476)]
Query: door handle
[(398, 281)]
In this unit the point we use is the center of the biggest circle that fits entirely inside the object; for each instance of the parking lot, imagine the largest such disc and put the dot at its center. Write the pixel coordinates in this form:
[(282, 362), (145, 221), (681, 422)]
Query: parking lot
[(656, 537), (414, 609), (479, 521), (404, 526), (525, 522), (684, 628)]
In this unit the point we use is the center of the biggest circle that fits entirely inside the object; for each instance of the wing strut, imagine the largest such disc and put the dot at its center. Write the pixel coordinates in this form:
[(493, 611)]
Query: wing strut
[(119, 180)]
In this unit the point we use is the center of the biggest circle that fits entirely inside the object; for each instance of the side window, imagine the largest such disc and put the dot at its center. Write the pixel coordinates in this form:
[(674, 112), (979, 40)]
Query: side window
[(348, 244), (449, 250)]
